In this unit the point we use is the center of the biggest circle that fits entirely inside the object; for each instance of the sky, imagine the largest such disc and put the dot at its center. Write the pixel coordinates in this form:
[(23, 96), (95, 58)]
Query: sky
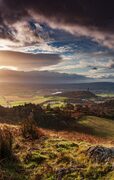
[(68, 38)]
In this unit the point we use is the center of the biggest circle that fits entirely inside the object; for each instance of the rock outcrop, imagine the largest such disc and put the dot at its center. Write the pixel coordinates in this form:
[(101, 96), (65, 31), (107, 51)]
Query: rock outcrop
[(100, 153)]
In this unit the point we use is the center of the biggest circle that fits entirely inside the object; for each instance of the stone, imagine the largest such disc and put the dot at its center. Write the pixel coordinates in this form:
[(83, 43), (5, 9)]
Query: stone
[(100, 153)]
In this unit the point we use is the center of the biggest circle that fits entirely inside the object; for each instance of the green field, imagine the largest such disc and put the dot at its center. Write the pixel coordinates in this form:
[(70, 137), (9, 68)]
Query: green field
[(101, 127), (106, 95), (9, 101)]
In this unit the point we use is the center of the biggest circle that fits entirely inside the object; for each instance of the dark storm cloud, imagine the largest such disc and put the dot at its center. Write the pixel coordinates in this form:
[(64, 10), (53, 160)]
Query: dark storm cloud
[(27, 61), (89, 13), (93, 68)]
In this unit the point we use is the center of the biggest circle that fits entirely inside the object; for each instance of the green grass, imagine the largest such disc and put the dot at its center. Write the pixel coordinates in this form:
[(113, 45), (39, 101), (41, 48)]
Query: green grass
[(21, 100), (44, 158), (101, 126), (106, 95), (3, 101)]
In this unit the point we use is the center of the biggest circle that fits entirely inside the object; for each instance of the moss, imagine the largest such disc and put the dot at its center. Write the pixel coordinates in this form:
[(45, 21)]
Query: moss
[(66, 145), (36, 157)]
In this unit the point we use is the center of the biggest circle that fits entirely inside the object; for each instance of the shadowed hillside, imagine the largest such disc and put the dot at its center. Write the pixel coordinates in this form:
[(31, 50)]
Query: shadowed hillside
[(78, 94)]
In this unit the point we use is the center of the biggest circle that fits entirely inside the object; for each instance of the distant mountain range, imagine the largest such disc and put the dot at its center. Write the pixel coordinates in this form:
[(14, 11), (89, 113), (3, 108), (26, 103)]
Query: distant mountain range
[(53, 80), (41, 77)]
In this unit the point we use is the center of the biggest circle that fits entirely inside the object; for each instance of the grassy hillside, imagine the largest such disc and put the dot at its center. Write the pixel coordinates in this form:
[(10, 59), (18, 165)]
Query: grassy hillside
[(101, 127), (59, 154), (106, 95), (78, 94), (52, 158)]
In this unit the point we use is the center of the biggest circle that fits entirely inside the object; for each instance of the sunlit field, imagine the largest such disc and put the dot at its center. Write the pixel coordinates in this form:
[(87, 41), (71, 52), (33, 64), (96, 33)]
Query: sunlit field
[(9, 101), (101, 127), (106, 95)]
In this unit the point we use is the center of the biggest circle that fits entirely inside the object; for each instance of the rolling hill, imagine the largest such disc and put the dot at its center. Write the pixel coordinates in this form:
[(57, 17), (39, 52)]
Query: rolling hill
[(77, 94)]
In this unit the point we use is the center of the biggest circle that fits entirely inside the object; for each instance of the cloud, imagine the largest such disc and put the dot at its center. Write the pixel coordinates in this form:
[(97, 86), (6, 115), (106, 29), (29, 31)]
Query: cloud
[(86, 18), (85, 60), (21, 34), (73, 11), (90, 64), (27, 61), (111, 64), (63, 36)]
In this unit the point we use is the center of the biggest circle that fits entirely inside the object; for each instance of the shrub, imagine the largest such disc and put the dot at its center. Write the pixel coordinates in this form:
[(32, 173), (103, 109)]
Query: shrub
[(6, 141), (29, 128)]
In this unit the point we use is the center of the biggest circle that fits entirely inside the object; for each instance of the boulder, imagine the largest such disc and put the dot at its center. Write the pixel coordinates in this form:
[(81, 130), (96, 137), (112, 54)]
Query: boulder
[(100, 153)]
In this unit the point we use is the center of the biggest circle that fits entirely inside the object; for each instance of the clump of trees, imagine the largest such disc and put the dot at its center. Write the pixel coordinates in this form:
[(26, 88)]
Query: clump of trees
[(21, 112), (56, 118)]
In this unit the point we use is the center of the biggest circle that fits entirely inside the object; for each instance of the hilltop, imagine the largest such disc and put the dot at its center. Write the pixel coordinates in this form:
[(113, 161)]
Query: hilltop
[(78, 94)]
